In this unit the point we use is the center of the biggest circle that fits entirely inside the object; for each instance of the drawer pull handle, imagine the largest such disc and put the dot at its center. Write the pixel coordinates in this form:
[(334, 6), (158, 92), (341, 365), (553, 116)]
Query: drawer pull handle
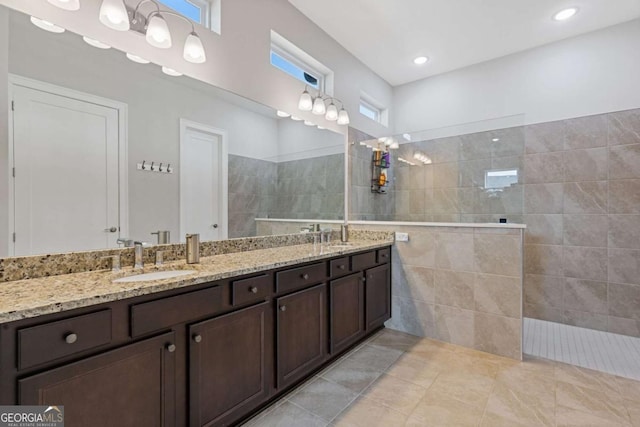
[(341, 266), (283, 308), (383, 255), (70, 338), (305, 276), (197, 338), (171, 348), (254, 290)]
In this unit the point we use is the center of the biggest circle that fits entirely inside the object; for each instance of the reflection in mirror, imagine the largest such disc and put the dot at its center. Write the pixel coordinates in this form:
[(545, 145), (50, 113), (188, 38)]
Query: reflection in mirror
[(109, 149), (465, 173)]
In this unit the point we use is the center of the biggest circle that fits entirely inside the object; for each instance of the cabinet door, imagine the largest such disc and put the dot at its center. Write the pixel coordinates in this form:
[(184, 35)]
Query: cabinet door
[(378, 296), (131, 386), (346, 308), (301, 333), (230, 360)]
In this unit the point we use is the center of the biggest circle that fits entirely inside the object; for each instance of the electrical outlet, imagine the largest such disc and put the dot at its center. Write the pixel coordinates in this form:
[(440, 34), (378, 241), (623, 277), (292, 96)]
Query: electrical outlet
[(402, 237)]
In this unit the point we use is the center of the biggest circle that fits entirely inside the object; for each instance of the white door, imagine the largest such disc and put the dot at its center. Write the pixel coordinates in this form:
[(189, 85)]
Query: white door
[(203, 181), (66, 173)]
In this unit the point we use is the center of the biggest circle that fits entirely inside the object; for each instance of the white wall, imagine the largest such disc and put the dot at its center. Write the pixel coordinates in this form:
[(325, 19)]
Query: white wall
[(298, 141), (238, 60), (593, 73), (4, 120)]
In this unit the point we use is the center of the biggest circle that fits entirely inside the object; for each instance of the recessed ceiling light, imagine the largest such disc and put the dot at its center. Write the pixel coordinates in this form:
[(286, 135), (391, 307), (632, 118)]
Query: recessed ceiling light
[(565, 14), (171, 72), (420, 60), (46, 25), (282, 114), (496, 139), (96, 43), (136, 58)]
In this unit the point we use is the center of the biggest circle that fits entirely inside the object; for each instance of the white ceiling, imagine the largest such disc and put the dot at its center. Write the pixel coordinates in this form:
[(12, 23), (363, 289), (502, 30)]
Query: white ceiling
[(387, 35)]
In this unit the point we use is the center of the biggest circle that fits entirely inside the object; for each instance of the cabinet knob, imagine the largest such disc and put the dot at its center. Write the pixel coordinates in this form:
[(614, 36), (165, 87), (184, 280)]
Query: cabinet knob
[(197, 338), (171, 348), (363, 279), (383, 255), (70, 338), (341, 266), (283, 308), (254, 290), (305, 276)]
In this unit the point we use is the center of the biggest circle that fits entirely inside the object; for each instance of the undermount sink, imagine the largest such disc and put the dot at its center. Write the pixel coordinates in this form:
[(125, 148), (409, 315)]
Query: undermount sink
[(156, 275)]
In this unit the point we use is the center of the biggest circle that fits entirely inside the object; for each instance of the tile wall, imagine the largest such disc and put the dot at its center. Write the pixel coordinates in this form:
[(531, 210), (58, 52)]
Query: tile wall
[(578, 192)]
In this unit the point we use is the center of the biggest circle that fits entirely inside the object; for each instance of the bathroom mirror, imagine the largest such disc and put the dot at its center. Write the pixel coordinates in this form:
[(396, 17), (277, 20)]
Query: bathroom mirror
[(107, 148)]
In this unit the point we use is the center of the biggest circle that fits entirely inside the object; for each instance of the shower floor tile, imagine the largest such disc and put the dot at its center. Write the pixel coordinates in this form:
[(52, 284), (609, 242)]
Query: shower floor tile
[(601, 351)]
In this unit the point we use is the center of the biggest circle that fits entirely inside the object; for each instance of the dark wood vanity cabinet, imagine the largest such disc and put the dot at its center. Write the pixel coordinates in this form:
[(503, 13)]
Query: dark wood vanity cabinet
[(131, 386), (207, 355), (378, 296), (346, 308), (230, 365), (301, 334)]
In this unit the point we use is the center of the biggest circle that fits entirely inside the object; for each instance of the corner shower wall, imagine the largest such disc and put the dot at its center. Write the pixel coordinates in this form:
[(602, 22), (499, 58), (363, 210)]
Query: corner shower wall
[(578, 192)]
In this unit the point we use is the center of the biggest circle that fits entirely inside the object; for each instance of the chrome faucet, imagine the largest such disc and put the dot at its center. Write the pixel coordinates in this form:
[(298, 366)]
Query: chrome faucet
[(138, 262), (193, 248), (127, 243)]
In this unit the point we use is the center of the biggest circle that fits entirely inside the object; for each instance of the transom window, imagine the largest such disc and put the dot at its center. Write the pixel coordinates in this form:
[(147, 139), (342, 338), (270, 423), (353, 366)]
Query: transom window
[(290, 67), (369, 111), (203, 12)]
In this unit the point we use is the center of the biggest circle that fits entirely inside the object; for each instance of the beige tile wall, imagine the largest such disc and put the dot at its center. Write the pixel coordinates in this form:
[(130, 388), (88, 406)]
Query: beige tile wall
[(459, 285)]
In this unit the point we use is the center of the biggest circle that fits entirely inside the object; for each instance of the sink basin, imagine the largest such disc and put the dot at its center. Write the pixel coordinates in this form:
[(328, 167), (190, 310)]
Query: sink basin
[(156, 275)]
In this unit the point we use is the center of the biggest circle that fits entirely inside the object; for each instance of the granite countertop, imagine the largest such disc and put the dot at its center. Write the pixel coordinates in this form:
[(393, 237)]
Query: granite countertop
[(23, 299)]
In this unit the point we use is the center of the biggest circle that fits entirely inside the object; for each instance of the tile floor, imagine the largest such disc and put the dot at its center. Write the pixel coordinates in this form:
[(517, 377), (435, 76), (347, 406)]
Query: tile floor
[(395, 379), (603, 351)]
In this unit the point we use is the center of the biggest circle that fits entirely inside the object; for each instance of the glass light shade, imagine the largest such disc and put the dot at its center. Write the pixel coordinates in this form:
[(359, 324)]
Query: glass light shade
[(395, 145), (193, 49), (113, 14), (343, 117), (171, 72), (66, 4), (306, 102), (296, 119), (319, 108), (136, 58), (308, 123), (158, 34), (281, 113), (95, 43), (332, 113), (46, 25)]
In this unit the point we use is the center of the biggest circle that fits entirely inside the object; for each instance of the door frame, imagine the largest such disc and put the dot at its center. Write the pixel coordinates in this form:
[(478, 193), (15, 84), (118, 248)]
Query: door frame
[(123, 133), (223, 174)]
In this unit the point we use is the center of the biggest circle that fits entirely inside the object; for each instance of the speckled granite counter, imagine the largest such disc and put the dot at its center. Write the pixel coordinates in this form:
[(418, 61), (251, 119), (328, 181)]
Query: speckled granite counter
[(35, 297)]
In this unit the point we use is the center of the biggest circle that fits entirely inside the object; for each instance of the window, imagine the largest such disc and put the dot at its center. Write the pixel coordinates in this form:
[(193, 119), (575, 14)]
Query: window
[(289, 58), (203, 12), (499, 179), (373, 109), (369, 110)]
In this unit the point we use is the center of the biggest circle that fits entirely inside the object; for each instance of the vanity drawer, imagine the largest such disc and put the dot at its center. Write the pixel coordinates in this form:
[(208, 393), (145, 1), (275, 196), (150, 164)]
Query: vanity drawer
[(339, 267), (250, 290), (362, 261), (297, 278), (384, 255), (51, 341), (161, 314)]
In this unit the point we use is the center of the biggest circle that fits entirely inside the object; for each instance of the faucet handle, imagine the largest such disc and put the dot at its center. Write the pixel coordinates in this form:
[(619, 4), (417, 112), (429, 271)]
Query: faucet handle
[(115, 262)]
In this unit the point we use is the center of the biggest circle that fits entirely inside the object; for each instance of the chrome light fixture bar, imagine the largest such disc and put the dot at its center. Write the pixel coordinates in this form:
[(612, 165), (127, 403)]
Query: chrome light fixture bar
[(318, 106), (116, 15)]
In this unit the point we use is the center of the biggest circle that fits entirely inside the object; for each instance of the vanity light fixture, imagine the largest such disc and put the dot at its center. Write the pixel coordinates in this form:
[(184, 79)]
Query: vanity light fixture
[(283, 114), (296, 118), (318, 106), (171, 72), (136, 58), (46, 25), (95, 43), (66, 4), (565, 14), (115, 15), (308, 123), (407, 136)]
